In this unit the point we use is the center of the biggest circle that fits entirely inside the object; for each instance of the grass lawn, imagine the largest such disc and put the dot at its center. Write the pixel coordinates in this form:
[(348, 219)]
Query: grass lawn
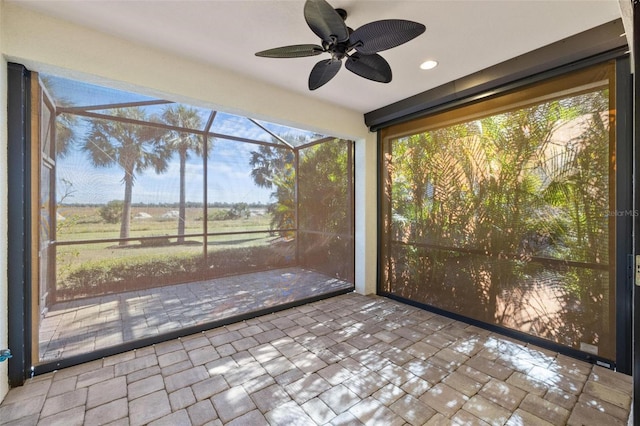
[(85, 224)]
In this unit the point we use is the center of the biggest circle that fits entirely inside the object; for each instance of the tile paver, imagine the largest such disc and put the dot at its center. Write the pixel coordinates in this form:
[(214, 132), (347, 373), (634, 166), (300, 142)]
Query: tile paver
[(64, 402), (444, 399), (107, 413), (349, 360), (149, 408), (486, 410), (521, 417), (232, 403), (503, 394), (287, 414), (185, 378), (412, 410), (202, 412), (372, 411), (318, 411), (583, 414), (339, 398), (270, 397), (307, 387), (177, 418), (73, 417), (544, 409), (145, 386), (608, 394), (252, 418), (106, 391), (181, 398)]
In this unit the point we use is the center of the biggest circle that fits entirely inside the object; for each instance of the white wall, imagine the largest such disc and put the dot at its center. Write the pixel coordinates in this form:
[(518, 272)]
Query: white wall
[(4, 385), (626, 12), (49, 45), (366, 214)]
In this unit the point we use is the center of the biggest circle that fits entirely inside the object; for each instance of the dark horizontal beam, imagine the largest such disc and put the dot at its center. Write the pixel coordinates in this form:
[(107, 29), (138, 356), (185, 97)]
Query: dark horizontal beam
[(164, 126), (152, 238), (507, 256), (587, 44), (75, 110)]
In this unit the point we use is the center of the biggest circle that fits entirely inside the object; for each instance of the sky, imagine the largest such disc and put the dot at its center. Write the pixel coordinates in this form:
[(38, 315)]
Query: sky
[(229, 176), (229, 171)]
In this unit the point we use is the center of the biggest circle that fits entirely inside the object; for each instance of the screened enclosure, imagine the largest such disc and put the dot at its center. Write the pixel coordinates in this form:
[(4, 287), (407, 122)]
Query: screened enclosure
[(157, 216), (504, 211)]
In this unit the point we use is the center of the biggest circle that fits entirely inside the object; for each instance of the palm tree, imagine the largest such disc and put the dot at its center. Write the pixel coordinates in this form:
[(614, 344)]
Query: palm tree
[(65, 123), (274, 167), (183, 143), (131, 146), (65, 134)]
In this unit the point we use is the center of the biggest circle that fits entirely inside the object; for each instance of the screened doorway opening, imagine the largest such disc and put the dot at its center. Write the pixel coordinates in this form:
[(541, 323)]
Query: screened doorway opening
[(158, 218), (510, 212)]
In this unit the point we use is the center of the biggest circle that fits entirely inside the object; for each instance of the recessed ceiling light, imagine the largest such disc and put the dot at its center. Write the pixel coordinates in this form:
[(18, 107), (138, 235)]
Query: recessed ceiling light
[(429, 65)]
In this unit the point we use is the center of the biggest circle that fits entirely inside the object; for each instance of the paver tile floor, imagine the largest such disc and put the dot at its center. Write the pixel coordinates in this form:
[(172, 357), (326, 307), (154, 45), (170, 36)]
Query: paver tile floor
[(347, 360), (85, 325)]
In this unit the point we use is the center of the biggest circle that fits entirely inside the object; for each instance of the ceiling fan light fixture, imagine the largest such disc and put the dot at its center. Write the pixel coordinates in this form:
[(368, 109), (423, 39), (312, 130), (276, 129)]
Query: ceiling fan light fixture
[(359, 47), (428, 65)]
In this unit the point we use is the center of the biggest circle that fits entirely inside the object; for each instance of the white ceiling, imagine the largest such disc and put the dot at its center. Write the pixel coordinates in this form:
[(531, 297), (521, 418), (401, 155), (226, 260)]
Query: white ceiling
[(463, 36)]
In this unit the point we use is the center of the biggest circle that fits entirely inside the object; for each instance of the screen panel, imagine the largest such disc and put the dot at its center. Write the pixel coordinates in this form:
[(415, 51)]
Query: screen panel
[(503, 211), (168, 216), (325, 194)]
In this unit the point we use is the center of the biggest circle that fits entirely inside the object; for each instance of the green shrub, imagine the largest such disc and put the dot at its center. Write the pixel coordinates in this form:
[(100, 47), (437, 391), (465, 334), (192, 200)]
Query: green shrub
[(112, 211), (218, 215), (121, 274), (155, 242), (237, 211)]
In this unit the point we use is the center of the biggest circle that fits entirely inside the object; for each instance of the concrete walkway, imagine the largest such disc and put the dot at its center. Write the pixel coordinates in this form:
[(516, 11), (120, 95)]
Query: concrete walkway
[(347, 360)]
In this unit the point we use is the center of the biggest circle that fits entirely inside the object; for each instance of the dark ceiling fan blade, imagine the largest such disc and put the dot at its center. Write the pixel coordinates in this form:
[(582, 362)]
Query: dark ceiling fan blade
[(382, 35), (322, 72), (373, 67), (324, 21), (294, 51)]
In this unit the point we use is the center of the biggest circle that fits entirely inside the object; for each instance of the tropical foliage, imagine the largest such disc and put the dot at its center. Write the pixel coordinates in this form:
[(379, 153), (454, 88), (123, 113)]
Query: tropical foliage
[(274, 168), (324, 190), (493, 209), (325, 208), (321, 204)]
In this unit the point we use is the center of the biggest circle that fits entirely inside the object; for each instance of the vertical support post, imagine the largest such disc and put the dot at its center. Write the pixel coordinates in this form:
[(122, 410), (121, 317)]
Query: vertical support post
[(623, 223), (205, 186), (351, 241), (366, 207), (296, 201), (205, 203), (350, 148), (636, 206), (19, 232)]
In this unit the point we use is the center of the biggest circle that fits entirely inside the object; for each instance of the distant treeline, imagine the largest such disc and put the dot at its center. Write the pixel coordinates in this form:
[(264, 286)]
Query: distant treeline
[(171, 205)]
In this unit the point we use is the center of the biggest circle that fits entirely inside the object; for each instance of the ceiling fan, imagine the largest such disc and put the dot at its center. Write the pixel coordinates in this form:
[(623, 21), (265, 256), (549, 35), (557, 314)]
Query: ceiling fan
[(340, 41)]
